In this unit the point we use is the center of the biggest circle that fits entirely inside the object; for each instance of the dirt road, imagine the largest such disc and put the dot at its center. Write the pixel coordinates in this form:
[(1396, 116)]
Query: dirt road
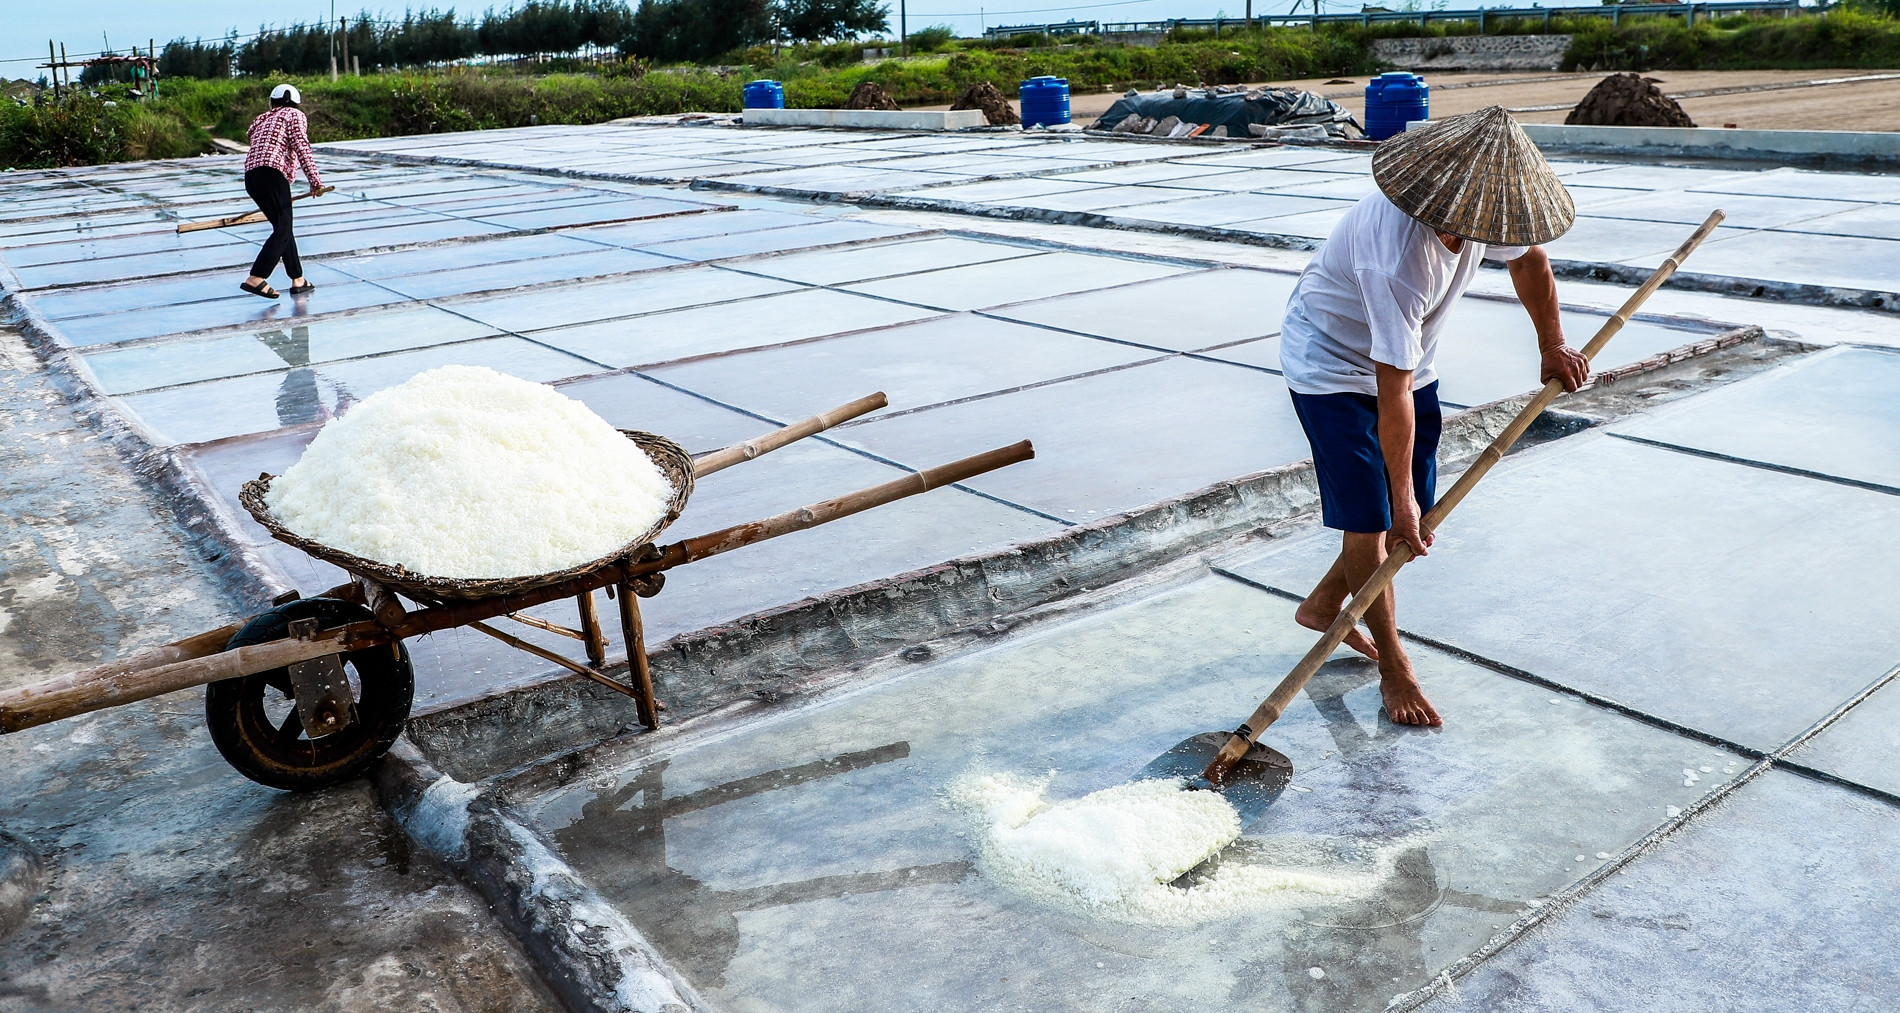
[(1854, 105)]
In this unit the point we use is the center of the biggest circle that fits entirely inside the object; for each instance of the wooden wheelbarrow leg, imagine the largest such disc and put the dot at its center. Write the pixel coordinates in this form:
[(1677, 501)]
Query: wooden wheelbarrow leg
[(595, 640), (633, 630)]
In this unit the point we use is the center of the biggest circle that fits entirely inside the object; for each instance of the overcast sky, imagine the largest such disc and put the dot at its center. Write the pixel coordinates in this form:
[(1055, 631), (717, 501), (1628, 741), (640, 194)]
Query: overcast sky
[(85, 26)]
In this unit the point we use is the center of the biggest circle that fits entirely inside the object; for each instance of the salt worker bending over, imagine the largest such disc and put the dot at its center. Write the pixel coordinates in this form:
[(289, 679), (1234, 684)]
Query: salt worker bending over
[(280, 142), (1363, 326)]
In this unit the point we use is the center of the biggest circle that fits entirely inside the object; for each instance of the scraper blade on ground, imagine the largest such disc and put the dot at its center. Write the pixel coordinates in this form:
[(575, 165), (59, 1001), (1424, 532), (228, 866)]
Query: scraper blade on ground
[(1250, 776)]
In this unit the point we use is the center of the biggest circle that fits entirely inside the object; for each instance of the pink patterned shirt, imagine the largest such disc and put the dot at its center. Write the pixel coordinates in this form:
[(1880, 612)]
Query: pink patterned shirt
[(280, 138)]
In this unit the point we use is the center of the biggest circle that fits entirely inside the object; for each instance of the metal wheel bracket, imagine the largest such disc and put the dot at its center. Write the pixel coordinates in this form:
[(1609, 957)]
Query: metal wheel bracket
[(322, 688)]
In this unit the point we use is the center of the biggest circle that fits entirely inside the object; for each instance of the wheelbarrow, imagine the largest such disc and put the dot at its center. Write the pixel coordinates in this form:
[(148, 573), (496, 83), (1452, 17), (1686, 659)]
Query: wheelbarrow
[(313, 691)]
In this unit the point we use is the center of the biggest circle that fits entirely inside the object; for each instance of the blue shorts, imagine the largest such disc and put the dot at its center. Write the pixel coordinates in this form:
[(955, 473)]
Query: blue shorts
[(1343, 430)]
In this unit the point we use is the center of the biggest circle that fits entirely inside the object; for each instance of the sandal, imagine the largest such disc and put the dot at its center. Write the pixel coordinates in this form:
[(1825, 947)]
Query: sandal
[(261, 288), (303, 289)]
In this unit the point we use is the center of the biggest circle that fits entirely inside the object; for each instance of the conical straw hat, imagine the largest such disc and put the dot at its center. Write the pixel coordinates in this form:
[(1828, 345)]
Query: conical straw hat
[(1475, 176)]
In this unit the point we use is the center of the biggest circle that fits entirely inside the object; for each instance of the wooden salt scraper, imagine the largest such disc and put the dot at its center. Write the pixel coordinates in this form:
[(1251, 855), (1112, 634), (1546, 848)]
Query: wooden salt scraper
[(1251, 776), (329, 740), (245, 219)]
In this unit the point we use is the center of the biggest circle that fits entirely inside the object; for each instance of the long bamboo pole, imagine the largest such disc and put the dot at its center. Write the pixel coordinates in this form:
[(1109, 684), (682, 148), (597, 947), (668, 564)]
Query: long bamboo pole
[(244, 219), (720, 460), (1276, 703)]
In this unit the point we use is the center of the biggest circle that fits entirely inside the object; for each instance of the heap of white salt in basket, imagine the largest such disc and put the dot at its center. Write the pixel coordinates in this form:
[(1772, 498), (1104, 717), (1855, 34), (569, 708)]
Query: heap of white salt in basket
[(468, 473)]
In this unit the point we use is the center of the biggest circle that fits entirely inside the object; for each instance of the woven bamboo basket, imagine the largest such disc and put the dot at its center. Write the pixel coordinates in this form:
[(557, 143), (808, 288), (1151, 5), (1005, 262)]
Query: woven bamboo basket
[(672, 459)]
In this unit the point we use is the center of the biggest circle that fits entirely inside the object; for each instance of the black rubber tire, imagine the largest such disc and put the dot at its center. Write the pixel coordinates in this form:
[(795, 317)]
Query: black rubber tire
[(262, 748)]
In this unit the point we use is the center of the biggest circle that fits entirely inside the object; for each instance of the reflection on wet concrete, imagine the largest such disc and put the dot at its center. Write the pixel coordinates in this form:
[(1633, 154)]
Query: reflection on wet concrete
[(1384, 932), (694, 925), (300, 397)]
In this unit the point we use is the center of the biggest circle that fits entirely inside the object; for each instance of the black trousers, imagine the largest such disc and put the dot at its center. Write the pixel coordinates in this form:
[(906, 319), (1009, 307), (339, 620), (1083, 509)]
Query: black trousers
[(271, 191)]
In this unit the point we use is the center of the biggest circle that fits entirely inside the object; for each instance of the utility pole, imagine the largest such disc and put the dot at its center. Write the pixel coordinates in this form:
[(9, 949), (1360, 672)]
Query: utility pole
[(344, 30), (903, 29), (52, 68), (333, 41)]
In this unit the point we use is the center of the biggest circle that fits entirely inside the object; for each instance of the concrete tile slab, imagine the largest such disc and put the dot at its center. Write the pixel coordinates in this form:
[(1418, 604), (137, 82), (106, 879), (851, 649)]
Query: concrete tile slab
[(144, 265), (1833, 414), (589, 212), (1002, 191), (1242, 180), (199, 316), (727, 327), (1745, 211), (1799, 258), (1311, 225), (1228, 208), (1861, 745), (1047, 274), (1644, 176), (647, 292), (254, 404), (289, 344), (502, 250), (86, 300), (1182, 312), (1491, 350), (838, 857), (110, 247), (542, 271), (884, 260), (349, 241), (1143, 172), (1198, 423), (632, 401), (1332, 159), (640, 234), (1602, 240), (924, 363), (1352, 188), (1791, 182), (1781, 899), (1102, 198), (851, 178), (1875, 221), (1571, 563), (797, 237)]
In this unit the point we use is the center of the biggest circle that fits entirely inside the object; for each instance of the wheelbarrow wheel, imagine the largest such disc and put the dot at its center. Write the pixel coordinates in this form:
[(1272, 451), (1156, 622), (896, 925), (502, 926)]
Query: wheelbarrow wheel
[(254, 722)]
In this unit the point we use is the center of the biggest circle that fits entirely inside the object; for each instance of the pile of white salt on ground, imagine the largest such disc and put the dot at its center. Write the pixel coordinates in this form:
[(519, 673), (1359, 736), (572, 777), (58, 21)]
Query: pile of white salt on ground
[(1113, 854), (468, 473)]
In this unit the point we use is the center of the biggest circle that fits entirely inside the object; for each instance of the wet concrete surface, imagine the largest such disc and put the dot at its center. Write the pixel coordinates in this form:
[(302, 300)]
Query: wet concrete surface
[(1780, 899), (1700, 591), (165, 881), (815, 846)]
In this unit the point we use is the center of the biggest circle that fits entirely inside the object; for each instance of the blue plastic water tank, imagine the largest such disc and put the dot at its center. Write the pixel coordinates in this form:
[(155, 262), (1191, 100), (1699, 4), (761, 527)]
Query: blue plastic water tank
[(1045, 100), (1394, 99), (764, 94)]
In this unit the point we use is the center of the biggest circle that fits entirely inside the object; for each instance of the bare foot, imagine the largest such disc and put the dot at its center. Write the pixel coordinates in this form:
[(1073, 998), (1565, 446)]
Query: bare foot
[(1311, 616), (1404, 698)]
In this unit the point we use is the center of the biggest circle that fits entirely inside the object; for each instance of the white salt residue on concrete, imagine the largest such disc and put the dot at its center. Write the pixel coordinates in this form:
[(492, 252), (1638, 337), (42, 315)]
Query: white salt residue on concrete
[(466, 472), (1113, 854)]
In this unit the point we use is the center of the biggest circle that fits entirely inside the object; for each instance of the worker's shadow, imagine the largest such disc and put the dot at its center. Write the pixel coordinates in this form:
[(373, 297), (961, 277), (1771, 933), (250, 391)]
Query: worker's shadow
[(620, 841)]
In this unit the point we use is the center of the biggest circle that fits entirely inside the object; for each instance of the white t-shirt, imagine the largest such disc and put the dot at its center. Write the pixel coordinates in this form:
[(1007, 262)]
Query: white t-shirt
[(1378, 290)]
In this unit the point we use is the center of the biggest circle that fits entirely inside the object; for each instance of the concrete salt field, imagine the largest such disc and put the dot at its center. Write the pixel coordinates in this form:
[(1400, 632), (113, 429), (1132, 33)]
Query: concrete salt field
[(1697, 583)]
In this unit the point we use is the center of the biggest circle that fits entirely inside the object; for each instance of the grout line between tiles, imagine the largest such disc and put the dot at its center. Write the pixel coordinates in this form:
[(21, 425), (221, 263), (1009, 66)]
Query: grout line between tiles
[(1819, 476)]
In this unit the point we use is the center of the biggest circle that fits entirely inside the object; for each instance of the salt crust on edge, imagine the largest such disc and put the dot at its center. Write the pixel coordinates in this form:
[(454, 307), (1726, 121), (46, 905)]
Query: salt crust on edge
[(1112, 854), (465, 472)]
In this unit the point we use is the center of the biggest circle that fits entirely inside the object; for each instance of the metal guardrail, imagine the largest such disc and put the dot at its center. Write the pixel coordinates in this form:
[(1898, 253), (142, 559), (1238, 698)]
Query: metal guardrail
[(1689, 12)]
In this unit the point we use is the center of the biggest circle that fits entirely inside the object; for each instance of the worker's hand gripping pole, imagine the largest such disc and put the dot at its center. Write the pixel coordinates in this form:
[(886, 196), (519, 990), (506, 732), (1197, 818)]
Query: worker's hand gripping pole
[(1276, 704)]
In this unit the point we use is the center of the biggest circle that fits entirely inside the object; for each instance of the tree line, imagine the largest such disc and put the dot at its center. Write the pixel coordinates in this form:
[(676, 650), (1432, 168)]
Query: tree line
[(663, 30)]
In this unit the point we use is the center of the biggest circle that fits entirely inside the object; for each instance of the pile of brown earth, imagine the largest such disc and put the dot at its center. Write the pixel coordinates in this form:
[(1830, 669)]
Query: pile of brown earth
[(1628, 100), (870, 95), (987, 97)]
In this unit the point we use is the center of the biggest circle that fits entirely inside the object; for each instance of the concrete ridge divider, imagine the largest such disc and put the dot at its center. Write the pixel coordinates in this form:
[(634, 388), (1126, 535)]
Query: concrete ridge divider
[(586, 950), (1845, 146)]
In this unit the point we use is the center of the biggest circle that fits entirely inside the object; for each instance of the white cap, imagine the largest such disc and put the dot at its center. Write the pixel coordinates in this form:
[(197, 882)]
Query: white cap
[(288, 91)]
